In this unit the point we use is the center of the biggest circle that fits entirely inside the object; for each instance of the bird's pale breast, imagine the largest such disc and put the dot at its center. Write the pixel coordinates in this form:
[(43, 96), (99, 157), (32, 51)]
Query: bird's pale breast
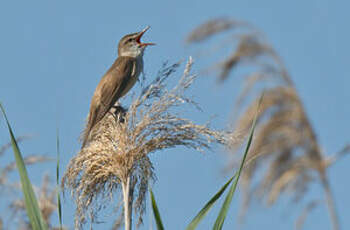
[(137, 69)]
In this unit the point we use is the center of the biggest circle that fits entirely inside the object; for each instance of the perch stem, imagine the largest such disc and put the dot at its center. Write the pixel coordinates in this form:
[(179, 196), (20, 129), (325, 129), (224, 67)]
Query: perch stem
[(127, 195), (330, 203)]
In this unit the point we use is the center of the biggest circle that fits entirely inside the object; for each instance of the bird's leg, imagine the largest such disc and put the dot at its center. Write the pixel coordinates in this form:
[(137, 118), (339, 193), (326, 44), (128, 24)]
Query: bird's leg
[(119, 112)]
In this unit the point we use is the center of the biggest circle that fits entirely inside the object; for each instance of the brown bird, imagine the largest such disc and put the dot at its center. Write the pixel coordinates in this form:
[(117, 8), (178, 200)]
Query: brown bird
[(118, 80)]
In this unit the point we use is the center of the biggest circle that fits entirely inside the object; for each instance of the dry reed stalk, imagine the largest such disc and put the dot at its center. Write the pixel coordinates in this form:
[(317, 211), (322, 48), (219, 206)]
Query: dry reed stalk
[(118, 154), (29, 160), (8, 145), (305, 212), (285, 148)]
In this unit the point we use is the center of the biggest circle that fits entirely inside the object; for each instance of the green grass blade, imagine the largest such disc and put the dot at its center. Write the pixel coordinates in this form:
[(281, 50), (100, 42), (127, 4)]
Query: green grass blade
[(225, 206), (202, 213), (36, 220), (156, 212), (59, 205)]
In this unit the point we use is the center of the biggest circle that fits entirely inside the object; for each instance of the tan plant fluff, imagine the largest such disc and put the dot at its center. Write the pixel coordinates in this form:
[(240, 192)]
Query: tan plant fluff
[(121, 144), (285, 149), (7, 185), (47, 200)]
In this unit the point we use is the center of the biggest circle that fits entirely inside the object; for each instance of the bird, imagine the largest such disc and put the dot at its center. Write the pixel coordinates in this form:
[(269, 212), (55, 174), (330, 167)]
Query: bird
[(118, 79)]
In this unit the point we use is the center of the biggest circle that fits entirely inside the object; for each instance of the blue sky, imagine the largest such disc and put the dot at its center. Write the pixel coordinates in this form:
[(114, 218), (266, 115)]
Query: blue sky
[(53, 54)]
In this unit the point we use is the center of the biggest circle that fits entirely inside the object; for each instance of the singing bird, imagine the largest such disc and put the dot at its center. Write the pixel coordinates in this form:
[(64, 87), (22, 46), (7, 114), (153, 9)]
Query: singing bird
[(118, 80)]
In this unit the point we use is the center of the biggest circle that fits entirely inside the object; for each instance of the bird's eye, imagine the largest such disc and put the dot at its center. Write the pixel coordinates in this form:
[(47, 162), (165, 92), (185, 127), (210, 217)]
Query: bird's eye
[(129, 40)]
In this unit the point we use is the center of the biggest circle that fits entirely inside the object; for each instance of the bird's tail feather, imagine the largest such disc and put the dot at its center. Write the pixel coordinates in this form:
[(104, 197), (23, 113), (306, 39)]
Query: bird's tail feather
[(92, 120), (84, 137)]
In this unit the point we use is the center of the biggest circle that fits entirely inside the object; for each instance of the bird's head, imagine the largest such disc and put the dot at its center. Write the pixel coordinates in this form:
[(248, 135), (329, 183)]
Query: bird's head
[(130, 45)]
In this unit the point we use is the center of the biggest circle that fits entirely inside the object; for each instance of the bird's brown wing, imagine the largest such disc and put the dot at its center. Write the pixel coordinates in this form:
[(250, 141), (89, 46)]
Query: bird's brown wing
[(108, 91)]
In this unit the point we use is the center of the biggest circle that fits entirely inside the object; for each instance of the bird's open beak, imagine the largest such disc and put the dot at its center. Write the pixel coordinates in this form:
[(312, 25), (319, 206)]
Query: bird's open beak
[(138, 38)]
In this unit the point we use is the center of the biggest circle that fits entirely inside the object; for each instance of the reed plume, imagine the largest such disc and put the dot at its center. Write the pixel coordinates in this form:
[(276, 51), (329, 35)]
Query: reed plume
[(117, 159), (286, 151), (7, 185), (47, 196)]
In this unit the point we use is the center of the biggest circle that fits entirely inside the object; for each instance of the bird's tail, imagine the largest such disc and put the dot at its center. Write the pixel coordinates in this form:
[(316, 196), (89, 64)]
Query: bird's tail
[(84, 137), (92, 120)]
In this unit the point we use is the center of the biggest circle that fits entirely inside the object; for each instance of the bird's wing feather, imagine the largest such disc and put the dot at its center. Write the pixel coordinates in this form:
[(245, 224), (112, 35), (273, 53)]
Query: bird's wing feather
[(108, 91), (116, 81)]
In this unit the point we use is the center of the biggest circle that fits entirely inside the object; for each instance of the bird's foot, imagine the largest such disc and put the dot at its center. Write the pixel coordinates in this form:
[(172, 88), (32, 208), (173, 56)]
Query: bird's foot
[(119, 113)]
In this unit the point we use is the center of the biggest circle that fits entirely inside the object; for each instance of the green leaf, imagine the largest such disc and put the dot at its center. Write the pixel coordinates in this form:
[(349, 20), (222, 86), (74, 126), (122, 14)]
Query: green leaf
[(202, 213), (34, 214), (59, 205), (225, 206), (156, 212)]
